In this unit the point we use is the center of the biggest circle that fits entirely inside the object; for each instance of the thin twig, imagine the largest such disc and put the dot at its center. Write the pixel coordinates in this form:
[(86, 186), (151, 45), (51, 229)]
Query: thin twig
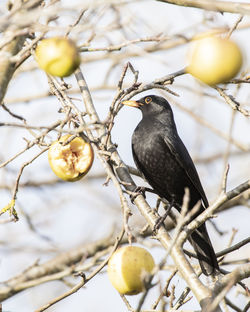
[(164, 291), (84, 279), (233, 248), (232, 102)]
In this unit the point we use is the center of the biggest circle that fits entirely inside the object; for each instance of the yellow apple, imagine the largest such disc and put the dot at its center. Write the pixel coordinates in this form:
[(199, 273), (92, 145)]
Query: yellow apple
[(128, 267), (58, 56), (72, 161), (213, 59)]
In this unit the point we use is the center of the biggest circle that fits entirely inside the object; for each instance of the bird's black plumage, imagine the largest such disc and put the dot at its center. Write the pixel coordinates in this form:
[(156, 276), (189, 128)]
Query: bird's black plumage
[(164, 161)]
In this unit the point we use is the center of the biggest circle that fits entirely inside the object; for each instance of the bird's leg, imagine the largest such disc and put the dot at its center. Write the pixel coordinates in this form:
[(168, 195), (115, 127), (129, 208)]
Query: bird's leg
[(139, 190), (158, 203), (161, 219)]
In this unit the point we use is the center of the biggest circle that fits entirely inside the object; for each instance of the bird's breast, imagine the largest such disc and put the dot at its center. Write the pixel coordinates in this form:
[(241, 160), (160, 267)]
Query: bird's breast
[(159, 166)]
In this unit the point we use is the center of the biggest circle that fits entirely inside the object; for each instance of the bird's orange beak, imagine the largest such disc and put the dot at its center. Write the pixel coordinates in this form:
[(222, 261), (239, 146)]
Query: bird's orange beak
[(132, 103)]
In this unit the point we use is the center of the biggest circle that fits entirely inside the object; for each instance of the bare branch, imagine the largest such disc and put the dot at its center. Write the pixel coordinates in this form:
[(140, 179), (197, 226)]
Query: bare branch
[(218, 6), (224, 197), (84, 278)]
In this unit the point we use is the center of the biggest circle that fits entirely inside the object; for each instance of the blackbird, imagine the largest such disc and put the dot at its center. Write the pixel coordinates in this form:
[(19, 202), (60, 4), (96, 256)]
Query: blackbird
[(166, 165)]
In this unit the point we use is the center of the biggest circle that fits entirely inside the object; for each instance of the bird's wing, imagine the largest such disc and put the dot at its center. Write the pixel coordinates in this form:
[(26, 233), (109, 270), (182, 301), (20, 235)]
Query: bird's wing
[(182, 156), (138, 164)]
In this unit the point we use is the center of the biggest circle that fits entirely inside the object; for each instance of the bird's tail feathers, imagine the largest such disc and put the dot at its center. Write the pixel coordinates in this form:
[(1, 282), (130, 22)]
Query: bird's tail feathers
[(204, 250)]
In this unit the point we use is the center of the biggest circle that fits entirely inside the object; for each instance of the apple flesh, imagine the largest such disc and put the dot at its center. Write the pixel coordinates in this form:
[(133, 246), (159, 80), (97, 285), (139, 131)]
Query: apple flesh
[(57, 56), (128, 267), (71, 161), (213, 59)]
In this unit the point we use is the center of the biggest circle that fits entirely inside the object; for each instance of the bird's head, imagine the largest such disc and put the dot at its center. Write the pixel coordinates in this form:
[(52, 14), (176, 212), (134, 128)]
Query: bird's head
[(151, 105)]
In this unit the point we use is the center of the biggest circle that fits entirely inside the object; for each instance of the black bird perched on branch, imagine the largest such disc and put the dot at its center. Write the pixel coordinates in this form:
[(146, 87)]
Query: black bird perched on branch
[(164, 161)]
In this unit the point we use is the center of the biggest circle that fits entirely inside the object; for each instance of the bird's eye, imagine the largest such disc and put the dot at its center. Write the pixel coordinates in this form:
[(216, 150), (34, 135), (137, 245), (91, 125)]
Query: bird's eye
[(148, 100)]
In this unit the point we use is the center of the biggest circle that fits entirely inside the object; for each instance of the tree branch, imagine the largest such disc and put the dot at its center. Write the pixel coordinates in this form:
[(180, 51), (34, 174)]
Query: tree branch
[(7, 66), (217, 6)]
